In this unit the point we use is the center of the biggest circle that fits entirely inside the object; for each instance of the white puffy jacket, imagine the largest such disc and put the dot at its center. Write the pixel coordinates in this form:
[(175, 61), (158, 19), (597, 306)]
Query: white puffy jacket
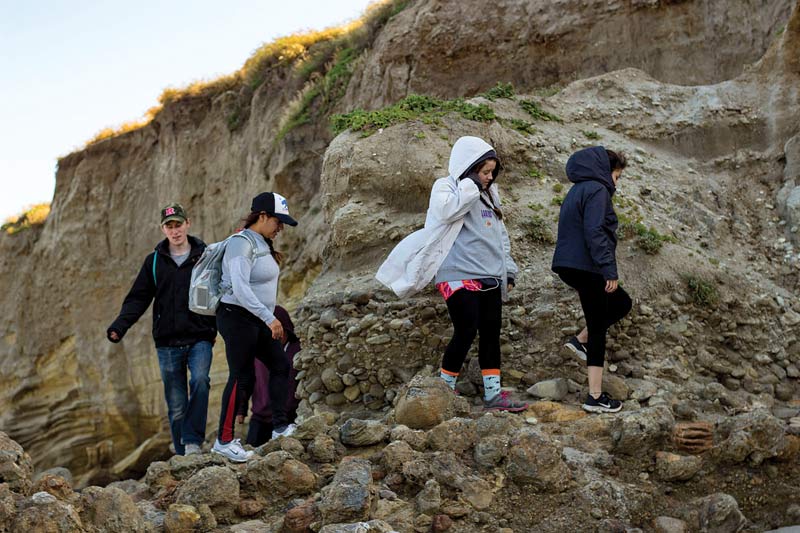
[(415, 260)]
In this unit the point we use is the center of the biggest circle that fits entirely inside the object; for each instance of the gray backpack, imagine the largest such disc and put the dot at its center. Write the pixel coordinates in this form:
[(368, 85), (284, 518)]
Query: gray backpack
[(206, 289)]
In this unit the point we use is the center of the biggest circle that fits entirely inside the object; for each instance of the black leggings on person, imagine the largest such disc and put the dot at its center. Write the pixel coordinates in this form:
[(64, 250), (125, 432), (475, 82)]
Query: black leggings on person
[(601, 309), (246, 338), (474, 312)]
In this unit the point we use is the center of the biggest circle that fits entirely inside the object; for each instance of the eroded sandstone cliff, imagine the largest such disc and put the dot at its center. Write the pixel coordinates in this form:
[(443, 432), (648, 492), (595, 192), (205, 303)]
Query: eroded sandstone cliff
[(715, 168)]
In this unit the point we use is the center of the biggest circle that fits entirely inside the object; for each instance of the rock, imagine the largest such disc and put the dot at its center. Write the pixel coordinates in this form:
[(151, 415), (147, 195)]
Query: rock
[(666, 524), (556, 412), (535, 462), (55, 485), (426, 402), (323, 449), (44, 512), (111, 510), (16, 467), (279, 473), (347, 498), (299, 519), (415, 438), (551, 389), (637, 432), (59, 471), (215, 486), (251, 526), (615, 386), (673, 467), (429, 499), (456, 435), (331, 380), (441, 522), (719, 513), (641, 390), (754, 436), (310, 427), (373, 526), (133, 488), (180, 518), (249, 507), (399, 513), (693, 437), (491, 450), (397, 454), (357, 432)]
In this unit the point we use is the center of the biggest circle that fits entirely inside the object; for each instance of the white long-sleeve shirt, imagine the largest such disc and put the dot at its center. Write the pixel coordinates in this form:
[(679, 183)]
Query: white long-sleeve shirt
[(254, 282)]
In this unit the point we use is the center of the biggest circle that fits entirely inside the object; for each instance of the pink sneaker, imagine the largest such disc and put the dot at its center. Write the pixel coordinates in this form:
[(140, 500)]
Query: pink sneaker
[(503, 402)]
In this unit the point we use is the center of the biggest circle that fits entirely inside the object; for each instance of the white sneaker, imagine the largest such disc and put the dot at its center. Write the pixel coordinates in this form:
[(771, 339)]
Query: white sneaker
[(287, 432), (232, 450), (192, 449)]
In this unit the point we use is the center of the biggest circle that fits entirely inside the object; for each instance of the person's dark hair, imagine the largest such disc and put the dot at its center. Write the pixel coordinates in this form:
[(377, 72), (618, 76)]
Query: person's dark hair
[(477, 168), (250, 219), (617, 160)]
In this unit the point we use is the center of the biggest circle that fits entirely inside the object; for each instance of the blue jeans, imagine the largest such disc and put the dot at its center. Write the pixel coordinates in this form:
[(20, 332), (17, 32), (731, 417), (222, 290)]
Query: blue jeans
[(187, 412)]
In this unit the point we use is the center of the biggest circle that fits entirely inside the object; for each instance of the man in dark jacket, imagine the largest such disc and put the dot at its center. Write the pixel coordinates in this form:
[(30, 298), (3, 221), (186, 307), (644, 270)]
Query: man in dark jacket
[(183, 339), (585, 259)]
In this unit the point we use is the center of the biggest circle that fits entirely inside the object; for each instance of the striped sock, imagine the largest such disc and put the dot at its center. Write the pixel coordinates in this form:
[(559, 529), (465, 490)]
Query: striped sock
[(449, 378), (491, 383)]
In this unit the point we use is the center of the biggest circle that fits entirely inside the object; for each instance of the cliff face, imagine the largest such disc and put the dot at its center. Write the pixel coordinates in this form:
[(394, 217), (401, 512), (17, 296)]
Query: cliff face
[(73, 399)]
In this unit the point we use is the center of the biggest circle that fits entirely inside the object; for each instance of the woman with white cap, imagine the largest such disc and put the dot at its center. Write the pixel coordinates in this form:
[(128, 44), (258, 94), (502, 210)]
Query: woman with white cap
[(247, 323)]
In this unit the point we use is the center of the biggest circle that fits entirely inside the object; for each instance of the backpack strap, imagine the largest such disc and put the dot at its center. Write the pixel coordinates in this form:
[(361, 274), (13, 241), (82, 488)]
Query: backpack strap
[(253, 245), (155, 256)]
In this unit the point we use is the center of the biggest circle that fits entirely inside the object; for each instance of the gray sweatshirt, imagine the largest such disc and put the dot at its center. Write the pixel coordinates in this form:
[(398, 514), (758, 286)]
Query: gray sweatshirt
[(254, 282), (478, 250)]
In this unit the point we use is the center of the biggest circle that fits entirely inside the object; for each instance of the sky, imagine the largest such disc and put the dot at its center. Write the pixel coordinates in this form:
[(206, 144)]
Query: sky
[(68, 69)]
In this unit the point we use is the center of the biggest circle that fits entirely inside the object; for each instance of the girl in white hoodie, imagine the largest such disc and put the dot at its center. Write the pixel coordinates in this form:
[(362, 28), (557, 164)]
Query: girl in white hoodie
[(464, 247)]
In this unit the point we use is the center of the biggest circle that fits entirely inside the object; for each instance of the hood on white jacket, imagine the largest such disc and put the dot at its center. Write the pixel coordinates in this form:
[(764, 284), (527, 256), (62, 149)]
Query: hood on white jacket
[(466, 151)]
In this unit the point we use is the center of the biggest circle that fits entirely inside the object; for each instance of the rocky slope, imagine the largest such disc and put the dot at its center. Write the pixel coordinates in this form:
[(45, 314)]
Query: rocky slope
[(713, 337)]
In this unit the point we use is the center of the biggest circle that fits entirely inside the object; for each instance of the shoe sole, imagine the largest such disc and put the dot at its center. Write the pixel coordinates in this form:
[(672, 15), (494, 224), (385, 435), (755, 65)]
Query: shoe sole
[(600, 409), (576, 352), (229, 458)]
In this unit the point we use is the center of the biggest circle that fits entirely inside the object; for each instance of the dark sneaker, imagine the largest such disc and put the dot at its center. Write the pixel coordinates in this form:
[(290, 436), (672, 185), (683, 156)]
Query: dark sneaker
[(603, 404), (575, 346), (503, 402)]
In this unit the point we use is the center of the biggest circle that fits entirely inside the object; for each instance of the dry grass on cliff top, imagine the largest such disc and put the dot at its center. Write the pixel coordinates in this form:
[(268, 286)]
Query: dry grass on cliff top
[(33, 216), (307, 51)]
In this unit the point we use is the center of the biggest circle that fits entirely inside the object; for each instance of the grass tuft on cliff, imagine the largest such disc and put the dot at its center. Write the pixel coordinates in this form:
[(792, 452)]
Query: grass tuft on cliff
[(428, 109), (307, 54), (32, 217)]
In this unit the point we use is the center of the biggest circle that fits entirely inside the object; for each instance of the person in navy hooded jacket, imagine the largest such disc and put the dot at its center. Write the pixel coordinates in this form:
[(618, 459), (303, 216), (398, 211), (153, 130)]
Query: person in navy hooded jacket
[(585, 259)]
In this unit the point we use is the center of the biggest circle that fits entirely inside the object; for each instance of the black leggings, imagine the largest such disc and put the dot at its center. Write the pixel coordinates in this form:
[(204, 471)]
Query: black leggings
[(473, 312), (247, 337), (601, 309)]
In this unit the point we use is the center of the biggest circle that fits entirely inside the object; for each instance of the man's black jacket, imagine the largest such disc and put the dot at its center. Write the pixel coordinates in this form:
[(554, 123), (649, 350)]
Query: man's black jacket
[(173, 323)]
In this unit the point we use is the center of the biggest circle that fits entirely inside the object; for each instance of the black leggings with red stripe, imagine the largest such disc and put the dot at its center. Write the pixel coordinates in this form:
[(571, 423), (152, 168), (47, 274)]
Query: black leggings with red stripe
[(246, 338)]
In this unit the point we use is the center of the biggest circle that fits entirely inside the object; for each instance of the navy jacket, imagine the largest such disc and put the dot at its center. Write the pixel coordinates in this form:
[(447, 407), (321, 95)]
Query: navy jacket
[(173, 323), (587, 224)]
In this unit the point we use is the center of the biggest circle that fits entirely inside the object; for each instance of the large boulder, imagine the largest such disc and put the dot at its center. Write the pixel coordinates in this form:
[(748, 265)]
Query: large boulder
[(348, 498), (44, 512), (674, 467), (357, 432), (717, 513), (280, 474), (753, 437), (534, 461), (456, 435), (637, 432), (215, 486), (110, 510), (426, 402), (16, 467)]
